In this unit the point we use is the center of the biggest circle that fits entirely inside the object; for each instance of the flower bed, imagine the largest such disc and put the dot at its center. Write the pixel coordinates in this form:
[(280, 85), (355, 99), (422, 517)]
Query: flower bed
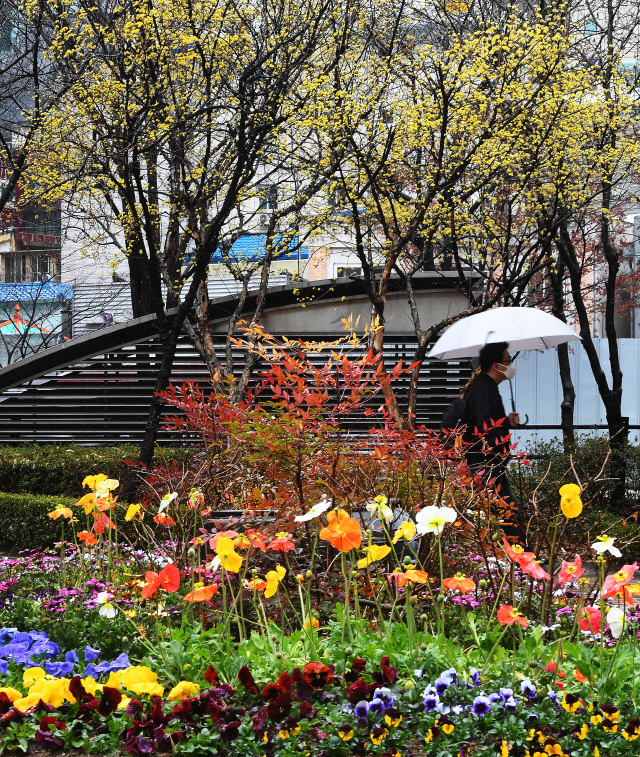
[(360, 599)]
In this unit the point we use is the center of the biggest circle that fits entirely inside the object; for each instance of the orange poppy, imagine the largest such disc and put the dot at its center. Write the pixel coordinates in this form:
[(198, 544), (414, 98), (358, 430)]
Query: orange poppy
[(257, 585), (164, 520), (343, 532), (203, 594), (508, 615), (460, 583), (88, 536), (416, 576)]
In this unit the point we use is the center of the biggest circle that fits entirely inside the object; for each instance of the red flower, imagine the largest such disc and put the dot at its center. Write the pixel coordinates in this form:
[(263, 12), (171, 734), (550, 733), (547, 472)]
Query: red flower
[(282, 543), (257, 540), (102, 522), (552, 667), (517, 553), (282, 686), (571, 570), (317, 674), (357, 691), (615, 582), (246, 679), (591, 619), (168, 579), (534, 569), (203, 594), (388, 675), (507, 616), (211, 677)]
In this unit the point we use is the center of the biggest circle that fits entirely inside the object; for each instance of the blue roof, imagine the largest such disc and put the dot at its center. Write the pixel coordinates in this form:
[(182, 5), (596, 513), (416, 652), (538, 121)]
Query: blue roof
[(37, 290), (251, 247)]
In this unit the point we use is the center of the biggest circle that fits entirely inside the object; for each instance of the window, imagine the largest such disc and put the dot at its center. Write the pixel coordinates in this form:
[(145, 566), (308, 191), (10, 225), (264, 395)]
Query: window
[(15, 268), (345, 271), (269, 197)]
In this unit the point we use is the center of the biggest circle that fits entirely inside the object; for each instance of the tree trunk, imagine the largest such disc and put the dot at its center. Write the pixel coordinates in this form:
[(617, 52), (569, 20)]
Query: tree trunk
[(568, 391)]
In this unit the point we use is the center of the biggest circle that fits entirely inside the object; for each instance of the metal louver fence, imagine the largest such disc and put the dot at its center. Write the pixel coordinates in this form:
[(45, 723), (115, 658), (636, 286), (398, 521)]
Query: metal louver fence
[(104, 400)]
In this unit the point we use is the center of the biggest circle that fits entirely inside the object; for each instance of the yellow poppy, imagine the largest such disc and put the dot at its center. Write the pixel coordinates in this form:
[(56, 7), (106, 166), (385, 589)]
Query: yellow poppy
[(132, 511), (229, 559), (373, 553), (92, 481), (570, 502), (273, 579), (406, 530)]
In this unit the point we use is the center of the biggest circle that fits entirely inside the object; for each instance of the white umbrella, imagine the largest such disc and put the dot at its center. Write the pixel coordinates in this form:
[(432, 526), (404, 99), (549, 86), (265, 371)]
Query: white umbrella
[(522, 328)]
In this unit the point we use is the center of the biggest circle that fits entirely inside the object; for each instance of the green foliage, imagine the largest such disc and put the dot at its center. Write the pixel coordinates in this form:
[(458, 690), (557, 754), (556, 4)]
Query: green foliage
[(56, 469), (589, 456), (24, 522)]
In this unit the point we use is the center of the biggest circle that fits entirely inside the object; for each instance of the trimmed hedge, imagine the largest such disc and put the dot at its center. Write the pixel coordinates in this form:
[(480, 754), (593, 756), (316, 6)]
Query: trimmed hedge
[(25, 524), (60, 469)]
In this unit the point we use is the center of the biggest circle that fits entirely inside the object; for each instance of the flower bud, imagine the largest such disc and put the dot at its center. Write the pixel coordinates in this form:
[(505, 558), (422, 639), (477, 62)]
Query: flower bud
[(413, 601), (482, 584), (408, 685), (424, 619), (496, 537), (348, 651), (533, 664), (191, 553), (407, 560), (440, 599), (300, 578), (308, 575), (423, 646)]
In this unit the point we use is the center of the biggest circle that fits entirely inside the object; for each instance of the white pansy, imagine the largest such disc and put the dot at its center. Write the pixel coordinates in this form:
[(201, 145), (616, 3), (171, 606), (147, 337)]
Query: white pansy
[(432, 519), (315, 511), (107, 609), (604, 543)]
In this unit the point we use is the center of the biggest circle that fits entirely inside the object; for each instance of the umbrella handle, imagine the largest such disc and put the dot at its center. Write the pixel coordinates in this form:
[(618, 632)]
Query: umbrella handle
[(520, 425)]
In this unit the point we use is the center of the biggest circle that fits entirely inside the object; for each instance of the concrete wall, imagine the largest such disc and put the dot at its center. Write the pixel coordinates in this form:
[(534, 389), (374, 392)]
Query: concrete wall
[(324, 316)]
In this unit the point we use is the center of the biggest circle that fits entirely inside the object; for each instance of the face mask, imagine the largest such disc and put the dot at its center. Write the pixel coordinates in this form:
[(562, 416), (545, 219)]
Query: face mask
[(509, 371)]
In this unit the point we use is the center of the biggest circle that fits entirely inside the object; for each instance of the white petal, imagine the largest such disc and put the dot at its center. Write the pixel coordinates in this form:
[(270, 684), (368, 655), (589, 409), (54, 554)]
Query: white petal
[(615, 551)]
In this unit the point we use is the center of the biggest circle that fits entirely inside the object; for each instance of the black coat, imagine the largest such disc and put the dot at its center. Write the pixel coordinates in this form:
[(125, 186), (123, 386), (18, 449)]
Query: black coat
[(484, 407)]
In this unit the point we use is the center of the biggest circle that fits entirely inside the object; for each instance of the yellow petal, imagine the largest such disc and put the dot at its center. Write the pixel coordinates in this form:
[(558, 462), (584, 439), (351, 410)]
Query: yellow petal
[(12, 694), (31, 675), (132, 511)]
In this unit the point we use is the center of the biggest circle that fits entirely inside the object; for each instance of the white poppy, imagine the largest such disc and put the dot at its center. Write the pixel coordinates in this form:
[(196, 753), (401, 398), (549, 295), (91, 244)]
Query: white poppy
[(315, 511), (107, 609), (167, 500), (214, 564), (605, 544), (616, 621), (432, 519), (380, 509)]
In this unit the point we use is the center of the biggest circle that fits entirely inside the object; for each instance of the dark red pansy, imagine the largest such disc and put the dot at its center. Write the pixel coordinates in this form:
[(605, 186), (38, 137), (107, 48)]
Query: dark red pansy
[(388, 674), (357, 666), (134, 708), (157, 711), (5, 703), (78, 690), (246, 679), (282, 686), (40, 706), (12, 716), (110, 698), (48, 720), (306, 710), (211, 677), (280, 707), (260, 720), (230, 732), (357, 691), (317, 674)]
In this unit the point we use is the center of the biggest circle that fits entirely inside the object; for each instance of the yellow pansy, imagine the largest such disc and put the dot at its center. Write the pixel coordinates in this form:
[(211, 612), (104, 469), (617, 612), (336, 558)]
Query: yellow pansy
[(147, 688), (182, 690), (12, 694), (31, 675), (373, 553), (50, 691), (137, 674)]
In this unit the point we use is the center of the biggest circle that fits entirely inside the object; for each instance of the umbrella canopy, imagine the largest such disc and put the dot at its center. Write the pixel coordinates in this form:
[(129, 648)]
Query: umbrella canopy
[(522, 328)]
